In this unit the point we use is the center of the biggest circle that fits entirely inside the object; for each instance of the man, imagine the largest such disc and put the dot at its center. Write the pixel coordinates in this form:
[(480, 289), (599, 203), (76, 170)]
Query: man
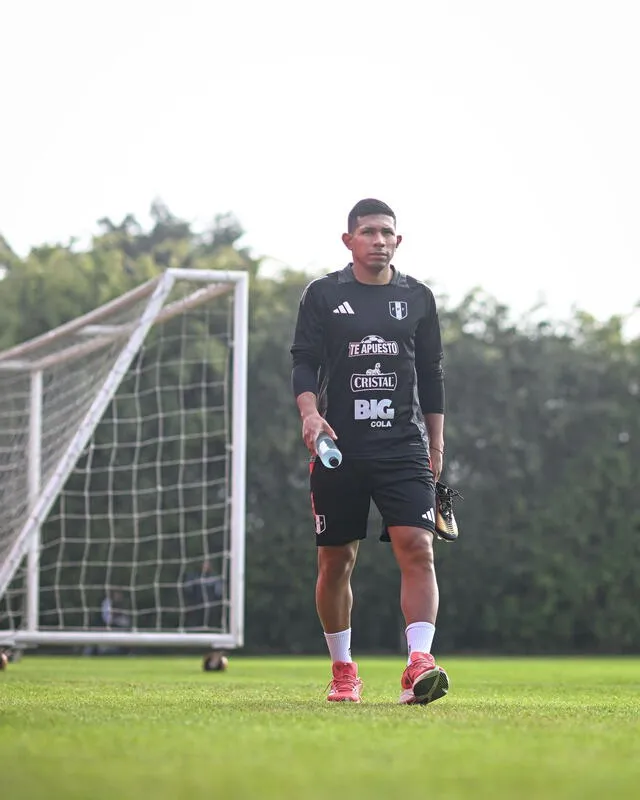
[(367, 370), (202, 591), (113, 612), (114, 615)]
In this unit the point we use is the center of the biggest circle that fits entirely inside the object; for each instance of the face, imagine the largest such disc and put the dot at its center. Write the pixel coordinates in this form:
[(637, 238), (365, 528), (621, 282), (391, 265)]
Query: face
[(373, 242)]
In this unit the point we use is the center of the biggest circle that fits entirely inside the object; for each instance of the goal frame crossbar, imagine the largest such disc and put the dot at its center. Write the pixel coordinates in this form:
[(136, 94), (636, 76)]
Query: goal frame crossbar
[(42, 498)]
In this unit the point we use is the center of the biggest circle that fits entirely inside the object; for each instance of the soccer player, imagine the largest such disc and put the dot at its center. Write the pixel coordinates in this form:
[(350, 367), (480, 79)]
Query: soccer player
[(367, 370)]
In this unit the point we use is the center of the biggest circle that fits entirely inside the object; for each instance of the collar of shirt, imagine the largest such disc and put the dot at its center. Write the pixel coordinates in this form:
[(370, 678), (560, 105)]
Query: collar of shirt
[(347, 276)]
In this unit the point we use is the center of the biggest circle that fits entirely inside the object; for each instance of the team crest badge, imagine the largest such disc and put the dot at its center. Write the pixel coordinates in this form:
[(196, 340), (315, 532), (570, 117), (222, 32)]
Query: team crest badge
[(321, 524), (398, 309)]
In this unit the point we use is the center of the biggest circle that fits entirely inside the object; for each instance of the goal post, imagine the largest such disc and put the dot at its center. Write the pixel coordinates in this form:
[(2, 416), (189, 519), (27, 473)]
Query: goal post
[(122, 471)]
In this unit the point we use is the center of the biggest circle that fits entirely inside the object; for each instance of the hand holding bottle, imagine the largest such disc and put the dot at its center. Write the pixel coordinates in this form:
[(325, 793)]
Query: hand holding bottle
[(328, 451)]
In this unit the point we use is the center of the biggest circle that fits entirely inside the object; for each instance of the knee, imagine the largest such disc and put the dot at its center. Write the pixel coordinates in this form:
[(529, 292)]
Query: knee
[(417, 551), (336, 563)]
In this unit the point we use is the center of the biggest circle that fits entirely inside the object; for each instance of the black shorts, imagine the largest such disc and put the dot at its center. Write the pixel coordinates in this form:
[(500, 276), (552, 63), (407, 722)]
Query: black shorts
[(402, 489)]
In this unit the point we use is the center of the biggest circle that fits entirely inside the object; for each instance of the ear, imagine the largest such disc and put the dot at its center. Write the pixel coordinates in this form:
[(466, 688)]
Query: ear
[(398, 240), (346, 239)]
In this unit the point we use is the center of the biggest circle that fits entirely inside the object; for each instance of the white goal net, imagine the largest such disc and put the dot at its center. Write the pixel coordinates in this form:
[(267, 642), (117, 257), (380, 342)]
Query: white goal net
[(122, 471)]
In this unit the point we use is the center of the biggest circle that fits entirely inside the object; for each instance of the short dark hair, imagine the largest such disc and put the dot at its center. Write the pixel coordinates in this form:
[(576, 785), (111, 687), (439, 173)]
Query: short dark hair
[(363, 208)]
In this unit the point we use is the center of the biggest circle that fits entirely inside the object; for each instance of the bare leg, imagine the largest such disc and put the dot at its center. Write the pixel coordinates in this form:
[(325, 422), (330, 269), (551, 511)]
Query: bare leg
[(413, 550), (334, 598), (422, 680)]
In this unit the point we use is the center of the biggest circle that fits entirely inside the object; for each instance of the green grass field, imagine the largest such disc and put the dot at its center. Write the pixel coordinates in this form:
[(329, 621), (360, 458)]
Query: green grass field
[(161, 728)]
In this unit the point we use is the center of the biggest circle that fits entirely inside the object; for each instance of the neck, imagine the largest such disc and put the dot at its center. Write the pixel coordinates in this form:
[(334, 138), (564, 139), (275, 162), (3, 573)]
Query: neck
[(375, 278)]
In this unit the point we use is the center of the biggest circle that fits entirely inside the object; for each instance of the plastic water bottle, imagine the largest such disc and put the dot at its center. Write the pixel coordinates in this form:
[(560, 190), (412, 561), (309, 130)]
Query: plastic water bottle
[(327, 451)]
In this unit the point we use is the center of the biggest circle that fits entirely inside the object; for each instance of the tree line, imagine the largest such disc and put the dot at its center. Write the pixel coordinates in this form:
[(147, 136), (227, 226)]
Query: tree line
[(543, 442)]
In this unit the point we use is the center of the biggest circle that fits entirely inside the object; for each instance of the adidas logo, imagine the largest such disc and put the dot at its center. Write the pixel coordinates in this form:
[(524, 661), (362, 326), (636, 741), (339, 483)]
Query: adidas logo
[(344, 308)]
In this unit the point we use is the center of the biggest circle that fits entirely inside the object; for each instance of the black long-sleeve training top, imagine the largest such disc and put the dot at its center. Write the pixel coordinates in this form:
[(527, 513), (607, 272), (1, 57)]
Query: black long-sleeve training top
[(373, 356)]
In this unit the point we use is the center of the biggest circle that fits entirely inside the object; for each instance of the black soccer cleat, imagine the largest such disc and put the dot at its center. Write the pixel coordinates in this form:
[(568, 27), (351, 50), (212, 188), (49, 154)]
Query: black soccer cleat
[(446, 525)]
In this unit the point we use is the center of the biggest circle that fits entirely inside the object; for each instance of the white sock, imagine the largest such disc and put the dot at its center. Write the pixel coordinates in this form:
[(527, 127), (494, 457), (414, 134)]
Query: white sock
[(419, 637), (339, 645)]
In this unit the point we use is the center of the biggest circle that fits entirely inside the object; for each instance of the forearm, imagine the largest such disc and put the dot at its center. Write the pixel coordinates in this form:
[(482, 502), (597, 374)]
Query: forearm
[(435, 429), (313, 424), (307, 404), (304, 377)]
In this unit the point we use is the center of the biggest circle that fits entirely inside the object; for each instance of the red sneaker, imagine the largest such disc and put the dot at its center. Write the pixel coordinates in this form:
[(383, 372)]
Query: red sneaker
[(346, 685), (423, 681)]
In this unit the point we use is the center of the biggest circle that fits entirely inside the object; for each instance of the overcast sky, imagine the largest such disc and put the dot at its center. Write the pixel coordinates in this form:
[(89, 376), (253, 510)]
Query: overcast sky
[(505, 135)]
